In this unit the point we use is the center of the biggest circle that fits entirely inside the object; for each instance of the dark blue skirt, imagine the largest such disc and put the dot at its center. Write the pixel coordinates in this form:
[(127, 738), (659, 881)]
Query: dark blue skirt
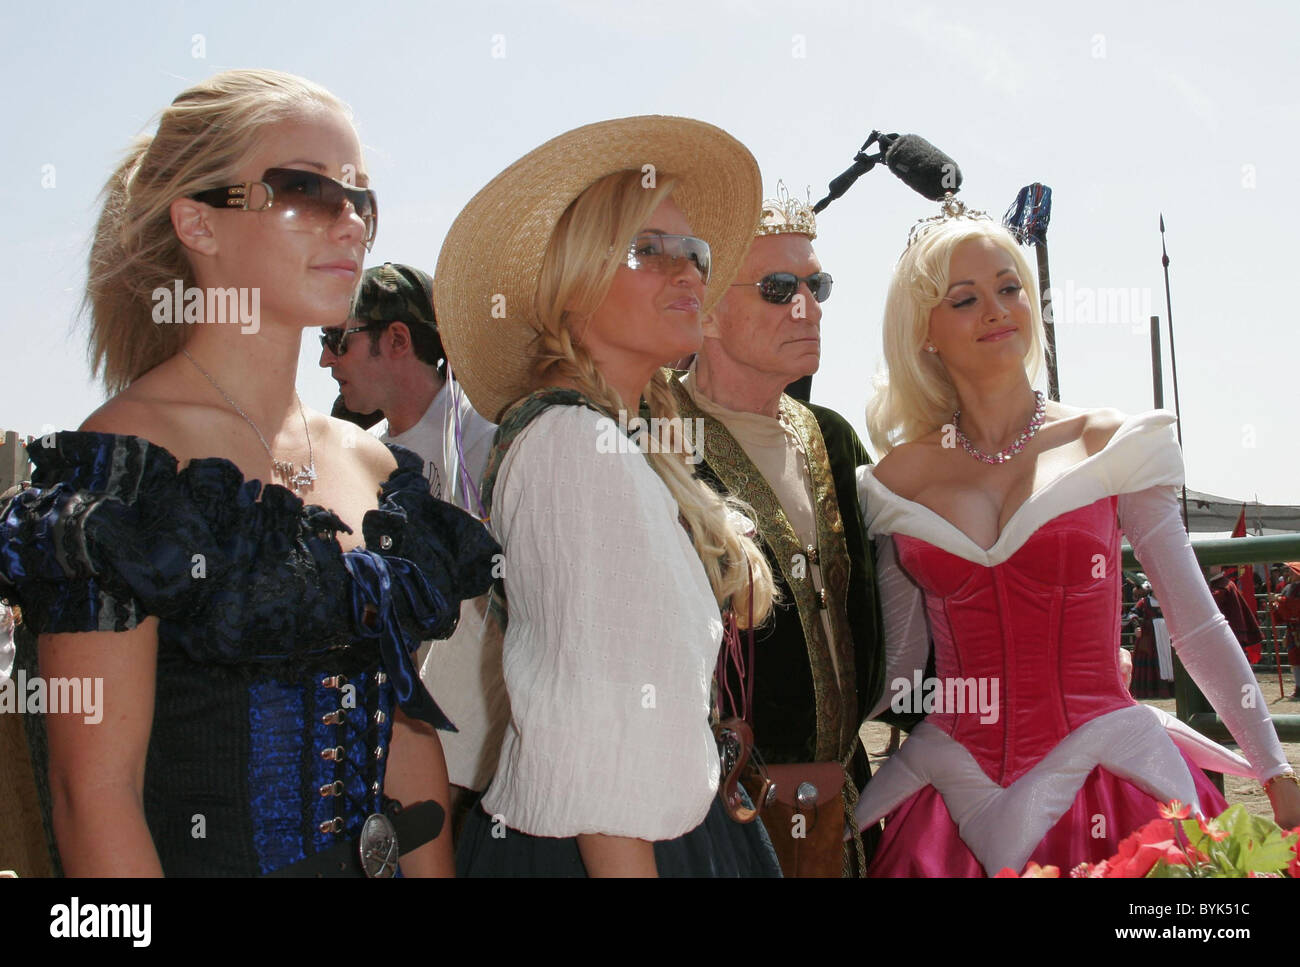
[(719, 846)]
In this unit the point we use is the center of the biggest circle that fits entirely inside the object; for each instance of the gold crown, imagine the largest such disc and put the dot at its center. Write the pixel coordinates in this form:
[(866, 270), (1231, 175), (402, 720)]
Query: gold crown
[(784, 215), (950, 208)]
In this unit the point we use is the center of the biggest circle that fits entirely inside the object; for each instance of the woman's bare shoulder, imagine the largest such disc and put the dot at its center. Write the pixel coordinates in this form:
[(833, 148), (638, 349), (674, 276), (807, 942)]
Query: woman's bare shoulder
[(155, 407), (336, 435), (904, 468), (1093, 425), (133, 415), (1097, 425)]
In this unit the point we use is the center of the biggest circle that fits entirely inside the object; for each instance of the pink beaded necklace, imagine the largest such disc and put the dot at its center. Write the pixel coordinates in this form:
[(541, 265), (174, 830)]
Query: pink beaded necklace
[(1018, 444)]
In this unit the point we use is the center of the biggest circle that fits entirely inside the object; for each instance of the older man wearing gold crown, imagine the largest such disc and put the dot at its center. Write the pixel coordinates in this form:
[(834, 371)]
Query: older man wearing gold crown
[(813, 673)]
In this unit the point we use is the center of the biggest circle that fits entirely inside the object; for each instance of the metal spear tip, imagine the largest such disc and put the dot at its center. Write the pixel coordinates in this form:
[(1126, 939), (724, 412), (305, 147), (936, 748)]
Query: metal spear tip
[(1162, 223)]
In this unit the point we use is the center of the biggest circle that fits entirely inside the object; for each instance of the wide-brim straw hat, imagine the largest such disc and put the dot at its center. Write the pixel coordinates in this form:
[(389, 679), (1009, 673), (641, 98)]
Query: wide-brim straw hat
[(494, 249)]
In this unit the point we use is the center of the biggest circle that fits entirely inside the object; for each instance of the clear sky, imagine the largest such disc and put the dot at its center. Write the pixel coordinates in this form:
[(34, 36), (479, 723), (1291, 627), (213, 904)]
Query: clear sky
[(1125, 110)]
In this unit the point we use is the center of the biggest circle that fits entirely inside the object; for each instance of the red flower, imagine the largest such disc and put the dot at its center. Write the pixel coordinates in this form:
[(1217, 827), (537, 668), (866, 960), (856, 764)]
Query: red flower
[(1142, 850), (1211, 829), (1035, 872), (1032, 872), (1175, 809)]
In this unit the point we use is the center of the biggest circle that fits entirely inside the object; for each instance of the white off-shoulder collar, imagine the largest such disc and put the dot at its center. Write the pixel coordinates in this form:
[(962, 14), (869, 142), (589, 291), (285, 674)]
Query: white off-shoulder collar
[(1142, 453)]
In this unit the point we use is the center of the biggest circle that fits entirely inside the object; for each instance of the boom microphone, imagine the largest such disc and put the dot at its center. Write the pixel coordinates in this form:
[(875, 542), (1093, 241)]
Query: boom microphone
[(917, 163), (923, 167)]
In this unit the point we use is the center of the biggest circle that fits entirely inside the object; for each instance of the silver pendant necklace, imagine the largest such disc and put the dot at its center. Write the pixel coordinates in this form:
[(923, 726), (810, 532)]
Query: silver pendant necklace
[(297, 479)]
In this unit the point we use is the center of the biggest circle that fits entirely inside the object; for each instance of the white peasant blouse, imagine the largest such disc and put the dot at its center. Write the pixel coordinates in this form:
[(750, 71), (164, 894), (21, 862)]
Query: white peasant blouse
[(612, 640)]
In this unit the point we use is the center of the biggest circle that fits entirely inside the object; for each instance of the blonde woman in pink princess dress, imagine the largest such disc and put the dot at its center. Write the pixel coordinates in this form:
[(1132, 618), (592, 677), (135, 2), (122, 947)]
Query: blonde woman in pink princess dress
[(997, 518)]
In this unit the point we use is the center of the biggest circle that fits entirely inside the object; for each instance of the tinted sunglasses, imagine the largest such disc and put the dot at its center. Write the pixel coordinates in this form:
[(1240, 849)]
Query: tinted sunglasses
[(305, 200), (336, 339), (656, 252), (779, 287)]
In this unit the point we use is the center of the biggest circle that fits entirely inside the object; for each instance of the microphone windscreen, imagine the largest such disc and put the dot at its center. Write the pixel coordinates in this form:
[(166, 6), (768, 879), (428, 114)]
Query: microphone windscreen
[(923, 167)]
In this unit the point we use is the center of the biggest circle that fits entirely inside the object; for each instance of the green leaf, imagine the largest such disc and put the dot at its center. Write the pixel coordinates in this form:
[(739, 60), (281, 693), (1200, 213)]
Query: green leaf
[(1272, 856), (1239, 823), (1164, 870)]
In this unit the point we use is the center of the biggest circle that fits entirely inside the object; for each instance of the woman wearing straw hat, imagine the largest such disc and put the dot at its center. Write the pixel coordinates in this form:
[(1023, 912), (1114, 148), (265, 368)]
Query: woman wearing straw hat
[(561, 289)]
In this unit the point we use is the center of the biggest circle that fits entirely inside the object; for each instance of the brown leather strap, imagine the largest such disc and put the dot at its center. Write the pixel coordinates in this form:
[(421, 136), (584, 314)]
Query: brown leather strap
[(735, 730)]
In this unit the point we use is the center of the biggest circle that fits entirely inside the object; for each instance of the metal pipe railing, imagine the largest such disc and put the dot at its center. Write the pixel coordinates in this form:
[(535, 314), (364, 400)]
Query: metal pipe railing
[(1191, 706)]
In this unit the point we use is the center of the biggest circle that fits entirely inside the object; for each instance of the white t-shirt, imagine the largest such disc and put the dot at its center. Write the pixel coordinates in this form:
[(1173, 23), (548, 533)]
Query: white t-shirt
[(434, 439), (463, 672), (611, 644), (7, 649)]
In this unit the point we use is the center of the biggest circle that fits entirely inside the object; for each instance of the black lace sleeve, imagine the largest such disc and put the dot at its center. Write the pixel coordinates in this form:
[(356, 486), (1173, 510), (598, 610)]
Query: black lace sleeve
[(102, 538), (111, 532)]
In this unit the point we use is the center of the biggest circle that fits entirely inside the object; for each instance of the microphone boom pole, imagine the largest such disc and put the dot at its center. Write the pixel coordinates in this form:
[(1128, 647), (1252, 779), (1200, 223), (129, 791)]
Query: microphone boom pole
[(862, 163)]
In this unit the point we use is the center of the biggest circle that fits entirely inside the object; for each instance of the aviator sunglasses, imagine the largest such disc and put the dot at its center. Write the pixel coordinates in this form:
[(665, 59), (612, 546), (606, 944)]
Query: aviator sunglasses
[(336, 339), (657, 252), (305, 200), (779, 287)]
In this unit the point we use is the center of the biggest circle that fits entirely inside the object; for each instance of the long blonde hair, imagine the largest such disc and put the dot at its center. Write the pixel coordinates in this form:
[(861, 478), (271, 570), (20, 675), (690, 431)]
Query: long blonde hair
[(202, 139), (914, 395), (584, 253)]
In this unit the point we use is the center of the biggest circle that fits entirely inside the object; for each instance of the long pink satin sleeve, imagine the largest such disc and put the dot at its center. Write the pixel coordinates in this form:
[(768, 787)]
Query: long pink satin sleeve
[(1201, 636)]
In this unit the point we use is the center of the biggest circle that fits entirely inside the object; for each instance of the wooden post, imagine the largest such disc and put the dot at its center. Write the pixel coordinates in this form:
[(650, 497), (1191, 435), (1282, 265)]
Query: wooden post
[(1049, 323), (14, 466), (1157, 371)]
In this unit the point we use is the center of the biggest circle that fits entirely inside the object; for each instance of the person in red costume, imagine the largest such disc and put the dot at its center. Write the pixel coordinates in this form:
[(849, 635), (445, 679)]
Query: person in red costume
[(1153, 666), (997, 518), (1237, 612), (1286, 612)]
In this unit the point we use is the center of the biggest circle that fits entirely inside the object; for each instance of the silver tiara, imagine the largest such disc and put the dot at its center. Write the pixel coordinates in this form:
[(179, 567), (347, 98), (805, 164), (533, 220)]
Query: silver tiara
[(949, 209)]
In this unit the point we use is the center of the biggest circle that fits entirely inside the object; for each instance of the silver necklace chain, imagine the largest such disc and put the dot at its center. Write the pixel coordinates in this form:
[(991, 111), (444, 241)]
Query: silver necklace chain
[(298, 479)]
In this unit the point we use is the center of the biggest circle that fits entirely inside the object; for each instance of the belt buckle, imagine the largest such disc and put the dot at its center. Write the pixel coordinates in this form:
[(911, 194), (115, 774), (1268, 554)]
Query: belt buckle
[(378, 847)]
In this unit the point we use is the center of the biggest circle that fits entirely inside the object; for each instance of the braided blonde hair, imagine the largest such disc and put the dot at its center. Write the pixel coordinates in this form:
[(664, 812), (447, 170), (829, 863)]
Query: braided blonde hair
[(585, 251)]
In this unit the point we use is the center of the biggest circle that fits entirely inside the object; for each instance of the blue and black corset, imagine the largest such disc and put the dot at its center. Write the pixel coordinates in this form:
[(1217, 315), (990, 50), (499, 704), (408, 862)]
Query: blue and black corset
[(281, 657)]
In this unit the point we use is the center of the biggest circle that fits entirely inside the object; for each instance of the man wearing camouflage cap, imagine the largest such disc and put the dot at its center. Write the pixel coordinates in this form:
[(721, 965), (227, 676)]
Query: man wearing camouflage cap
[(403, 374), (400, 368)]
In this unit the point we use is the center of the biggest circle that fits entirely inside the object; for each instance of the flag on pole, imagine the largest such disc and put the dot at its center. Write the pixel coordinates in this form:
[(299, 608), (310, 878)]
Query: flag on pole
[(1246, 579)]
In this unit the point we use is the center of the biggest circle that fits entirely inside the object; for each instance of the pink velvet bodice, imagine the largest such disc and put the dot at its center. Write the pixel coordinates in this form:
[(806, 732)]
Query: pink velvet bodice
[(1043, 624)]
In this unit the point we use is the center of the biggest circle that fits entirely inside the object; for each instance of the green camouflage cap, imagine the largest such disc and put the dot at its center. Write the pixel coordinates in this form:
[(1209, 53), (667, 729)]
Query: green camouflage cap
[(393, 292)]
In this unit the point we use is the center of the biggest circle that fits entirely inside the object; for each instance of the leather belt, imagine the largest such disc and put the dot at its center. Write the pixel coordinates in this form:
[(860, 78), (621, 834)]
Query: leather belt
[(374, 852)]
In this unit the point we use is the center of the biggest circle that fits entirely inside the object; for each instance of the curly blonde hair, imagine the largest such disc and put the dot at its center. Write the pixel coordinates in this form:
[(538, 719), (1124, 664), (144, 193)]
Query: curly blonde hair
[(914, 395)]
